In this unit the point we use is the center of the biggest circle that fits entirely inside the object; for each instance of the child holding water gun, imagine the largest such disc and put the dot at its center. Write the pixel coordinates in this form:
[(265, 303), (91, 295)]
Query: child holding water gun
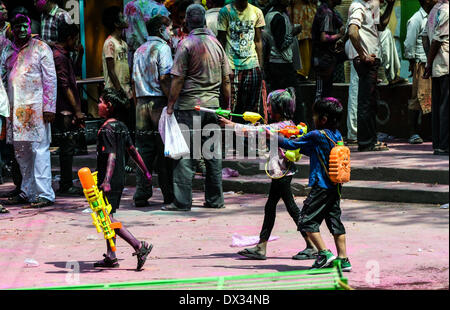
[(323, 202), (281, 105), (112, 141)]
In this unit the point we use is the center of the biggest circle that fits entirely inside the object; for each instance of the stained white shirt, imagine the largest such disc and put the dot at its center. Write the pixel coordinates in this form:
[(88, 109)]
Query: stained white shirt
[(365, 15), (413, 42), (437, 29), (151, 61), (32, 87)]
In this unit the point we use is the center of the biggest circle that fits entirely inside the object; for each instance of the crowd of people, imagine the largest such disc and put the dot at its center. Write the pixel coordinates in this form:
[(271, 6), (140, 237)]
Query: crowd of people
[(186, 53)]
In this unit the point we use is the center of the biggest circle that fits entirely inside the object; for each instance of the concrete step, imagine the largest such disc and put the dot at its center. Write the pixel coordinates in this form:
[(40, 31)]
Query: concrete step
[(356, 190), (405, 192), (361, 173), (247, 167)]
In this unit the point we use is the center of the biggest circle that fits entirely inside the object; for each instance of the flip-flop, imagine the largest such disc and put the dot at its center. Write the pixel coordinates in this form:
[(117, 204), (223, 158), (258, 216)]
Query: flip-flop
[(249, 253), (415, 139), (107, 262), (306, 254), (142, 254)]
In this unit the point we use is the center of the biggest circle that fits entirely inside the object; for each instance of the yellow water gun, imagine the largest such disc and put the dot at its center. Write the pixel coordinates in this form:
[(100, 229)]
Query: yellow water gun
[(99, 205), (251, 117)]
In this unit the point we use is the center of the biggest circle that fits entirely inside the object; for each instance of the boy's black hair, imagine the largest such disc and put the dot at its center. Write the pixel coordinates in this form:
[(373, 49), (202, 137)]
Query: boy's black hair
[(20, 19), (66, 31), (111, 17), (118, 100), (154, 24), (332, 109)]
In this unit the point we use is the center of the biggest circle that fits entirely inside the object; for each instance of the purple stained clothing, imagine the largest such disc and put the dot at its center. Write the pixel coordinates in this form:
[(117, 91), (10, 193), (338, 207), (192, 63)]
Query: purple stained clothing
[(137, 13), (202, 61), (32, 88), (278, 165), (66, 80)]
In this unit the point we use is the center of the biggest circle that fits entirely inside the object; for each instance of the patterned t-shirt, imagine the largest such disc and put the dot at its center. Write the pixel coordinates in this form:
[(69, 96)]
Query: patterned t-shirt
[(118, 50), (240, 28), (137, 13)]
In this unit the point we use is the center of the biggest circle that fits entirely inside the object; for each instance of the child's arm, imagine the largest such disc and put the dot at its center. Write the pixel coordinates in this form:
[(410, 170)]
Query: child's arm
[(134, 154), (303, 143), (240, 128), (106, 186)]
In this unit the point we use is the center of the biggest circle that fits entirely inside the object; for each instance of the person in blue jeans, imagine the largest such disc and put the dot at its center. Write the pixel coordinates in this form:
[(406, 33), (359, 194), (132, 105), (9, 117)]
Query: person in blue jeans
[(323, 202)]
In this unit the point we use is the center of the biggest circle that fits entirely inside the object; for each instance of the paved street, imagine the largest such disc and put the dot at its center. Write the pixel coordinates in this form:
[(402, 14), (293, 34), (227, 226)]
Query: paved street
[(391, 245)]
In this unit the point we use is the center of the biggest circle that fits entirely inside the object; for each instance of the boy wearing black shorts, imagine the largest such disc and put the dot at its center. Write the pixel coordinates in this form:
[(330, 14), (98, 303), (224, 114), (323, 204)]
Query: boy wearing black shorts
[(323, 202), (113, 141)]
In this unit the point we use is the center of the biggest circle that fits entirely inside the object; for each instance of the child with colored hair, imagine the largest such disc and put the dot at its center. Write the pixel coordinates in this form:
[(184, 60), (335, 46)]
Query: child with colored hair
[(281, 105), (323, 202), (112, 141)]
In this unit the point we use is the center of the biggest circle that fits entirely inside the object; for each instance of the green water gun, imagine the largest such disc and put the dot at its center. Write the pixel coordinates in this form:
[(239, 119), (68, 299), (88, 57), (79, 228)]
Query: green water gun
[(251, 117)]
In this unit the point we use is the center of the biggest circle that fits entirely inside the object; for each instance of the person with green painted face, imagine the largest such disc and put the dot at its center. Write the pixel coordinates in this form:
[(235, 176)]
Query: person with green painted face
[(33, 106)]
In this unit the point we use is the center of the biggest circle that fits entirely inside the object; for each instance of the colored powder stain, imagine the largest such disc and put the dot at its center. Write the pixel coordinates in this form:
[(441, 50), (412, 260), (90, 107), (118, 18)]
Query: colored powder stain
[(25, 116)]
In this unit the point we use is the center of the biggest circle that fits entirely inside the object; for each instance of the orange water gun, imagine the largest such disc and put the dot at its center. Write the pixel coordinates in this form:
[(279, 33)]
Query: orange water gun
[(99, 205), (293, 131)]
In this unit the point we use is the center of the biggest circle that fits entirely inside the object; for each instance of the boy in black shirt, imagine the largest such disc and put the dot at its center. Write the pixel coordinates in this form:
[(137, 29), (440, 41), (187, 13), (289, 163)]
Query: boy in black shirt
[(112, 141), (323, 202)]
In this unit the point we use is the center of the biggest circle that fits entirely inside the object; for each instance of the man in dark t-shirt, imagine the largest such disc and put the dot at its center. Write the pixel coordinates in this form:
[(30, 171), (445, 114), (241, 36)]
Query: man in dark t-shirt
[(327, 28)]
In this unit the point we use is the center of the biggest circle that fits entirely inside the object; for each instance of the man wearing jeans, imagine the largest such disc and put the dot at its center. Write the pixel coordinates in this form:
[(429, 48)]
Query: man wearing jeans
[(200, 71), (364, 23), (436, 44)]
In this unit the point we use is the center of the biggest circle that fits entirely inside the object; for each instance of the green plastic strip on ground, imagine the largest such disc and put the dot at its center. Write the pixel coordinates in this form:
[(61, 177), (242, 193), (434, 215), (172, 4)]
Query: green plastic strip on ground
[(322, 279)]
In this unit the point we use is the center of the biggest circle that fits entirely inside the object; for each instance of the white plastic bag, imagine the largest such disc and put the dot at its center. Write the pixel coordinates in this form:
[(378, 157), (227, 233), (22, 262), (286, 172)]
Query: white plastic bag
[(175, 146)]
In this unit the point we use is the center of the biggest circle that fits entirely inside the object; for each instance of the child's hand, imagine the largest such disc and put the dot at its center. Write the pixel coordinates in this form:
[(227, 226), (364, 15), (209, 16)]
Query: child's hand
[(269, 134), (148, 176), (106, 187), (224, 122)]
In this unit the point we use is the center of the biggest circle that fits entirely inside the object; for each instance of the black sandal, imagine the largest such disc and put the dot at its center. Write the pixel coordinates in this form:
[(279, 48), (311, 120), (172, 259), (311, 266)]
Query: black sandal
[(3, 210), (252, 254), (142, 254), (306, 254), (16, 200), (107, 262)]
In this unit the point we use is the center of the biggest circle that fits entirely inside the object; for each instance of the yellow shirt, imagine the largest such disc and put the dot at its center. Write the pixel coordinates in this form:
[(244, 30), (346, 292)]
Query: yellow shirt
[(240, 28)]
